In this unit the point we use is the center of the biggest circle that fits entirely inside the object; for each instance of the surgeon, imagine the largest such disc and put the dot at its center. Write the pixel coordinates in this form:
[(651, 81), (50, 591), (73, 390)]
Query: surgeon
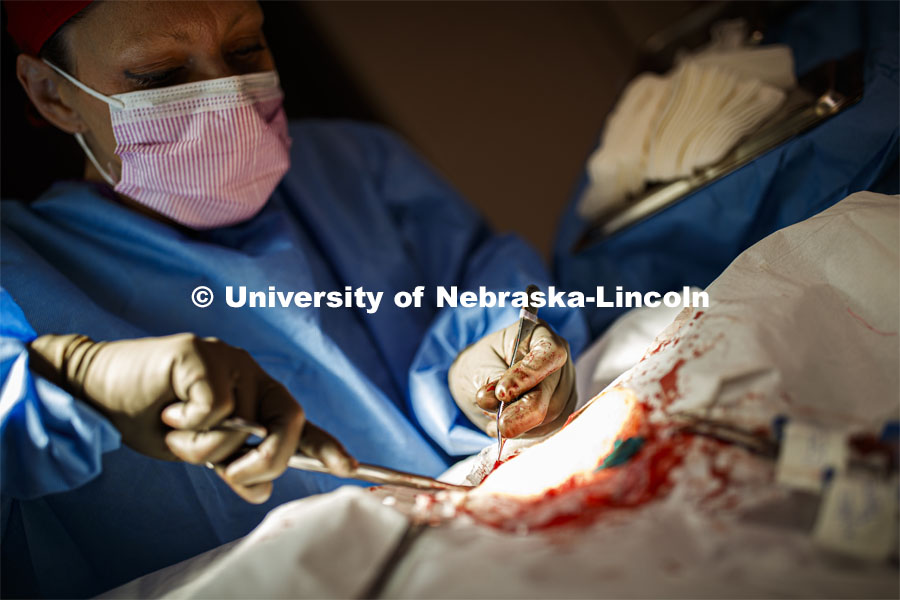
[(120, 357)]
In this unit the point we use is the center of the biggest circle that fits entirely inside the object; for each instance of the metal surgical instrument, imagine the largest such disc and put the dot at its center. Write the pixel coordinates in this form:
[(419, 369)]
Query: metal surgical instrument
[(527, 322), (363, 472)]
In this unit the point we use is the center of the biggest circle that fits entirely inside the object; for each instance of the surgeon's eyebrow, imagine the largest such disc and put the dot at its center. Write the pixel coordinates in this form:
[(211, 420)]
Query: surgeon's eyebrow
[(148, 54), (257, 15), (176, 35)]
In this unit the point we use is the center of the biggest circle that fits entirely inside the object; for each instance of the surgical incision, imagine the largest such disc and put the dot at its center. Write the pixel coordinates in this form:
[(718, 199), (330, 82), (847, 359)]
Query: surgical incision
[(582, 468)]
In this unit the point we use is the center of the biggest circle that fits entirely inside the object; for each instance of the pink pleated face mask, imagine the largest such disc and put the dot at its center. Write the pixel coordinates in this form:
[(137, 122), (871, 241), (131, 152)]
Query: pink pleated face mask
[(205, 154)]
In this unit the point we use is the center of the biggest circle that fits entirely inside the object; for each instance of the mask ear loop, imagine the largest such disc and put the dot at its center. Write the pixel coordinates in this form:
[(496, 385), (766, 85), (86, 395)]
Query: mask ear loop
[(78, 136), (81, 142), (87, 90)]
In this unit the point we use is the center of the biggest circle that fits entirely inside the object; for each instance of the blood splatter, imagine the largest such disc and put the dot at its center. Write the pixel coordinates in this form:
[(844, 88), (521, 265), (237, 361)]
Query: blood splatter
[(721, 475), (659, 347), (869, 327), (669, 382)]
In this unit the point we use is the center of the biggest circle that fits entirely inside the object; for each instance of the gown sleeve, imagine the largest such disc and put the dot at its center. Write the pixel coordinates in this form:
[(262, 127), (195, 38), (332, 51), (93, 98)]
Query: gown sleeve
[(51, 442), (455, 247)]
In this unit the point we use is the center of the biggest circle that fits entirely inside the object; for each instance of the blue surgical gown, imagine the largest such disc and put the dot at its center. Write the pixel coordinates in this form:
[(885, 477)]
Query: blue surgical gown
[(693, 241), (83, 513)]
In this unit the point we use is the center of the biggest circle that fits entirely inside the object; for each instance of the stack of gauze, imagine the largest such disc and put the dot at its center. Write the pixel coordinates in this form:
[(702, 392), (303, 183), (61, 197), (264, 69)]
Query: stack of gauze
[(667, 127)]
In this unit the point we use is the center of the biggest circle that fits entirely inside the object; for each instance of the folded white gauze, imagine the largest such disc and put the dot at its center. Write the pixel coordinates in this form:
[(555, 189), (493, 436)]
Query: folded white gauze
[(617, 169), (709, 110), (773, 64), (664, 128)]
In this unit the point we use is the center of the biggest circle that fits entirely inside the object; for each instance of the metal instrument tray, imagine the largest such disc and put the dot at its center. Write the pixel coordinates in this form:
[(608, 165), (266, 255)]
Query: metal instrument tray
[(824, 92)]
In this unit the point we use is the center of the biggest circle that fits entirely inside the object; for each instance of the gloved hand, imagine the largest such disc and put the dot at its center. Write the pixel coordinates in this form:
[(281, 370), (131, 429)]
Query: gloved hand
[(539, 390), (165, 395)]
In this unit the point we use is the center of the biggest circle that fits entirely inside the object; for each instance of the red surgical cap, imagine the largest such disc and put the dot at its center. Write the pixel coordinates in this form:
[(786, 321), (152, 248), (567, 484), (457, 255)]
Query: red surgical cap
[(32, 23)]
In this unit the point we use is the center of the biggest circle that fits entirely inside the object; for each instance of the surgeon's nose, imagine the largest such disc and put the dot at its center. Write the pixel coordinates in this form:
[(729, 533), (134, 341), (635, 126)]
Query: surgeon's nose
[(211, 67)]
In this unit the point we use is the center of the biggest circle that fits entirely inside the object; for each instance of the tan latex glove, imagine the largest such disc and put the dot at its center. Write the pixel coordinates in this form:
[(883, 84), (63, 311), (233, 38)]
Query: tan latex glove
[(539, 390), (165, 394)]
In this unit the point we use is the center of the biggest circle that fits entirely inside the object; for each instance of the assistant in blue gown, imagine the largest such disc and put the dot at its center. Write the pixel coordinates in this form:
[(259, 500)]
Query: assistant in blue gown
[(693, 241), (81, 513)]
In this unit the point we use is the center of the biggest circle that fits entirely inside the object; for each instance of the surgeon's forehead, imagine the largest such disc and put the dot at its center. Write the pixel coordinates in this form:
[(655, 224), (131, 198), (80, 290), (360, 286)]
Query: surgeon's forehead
[(119, 28)]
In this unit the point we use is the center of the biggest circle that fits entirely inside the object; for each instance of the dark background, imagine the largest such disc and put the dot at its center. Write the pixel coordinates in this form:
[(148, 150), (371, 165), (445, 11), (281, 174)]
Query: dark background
[(506, 99)]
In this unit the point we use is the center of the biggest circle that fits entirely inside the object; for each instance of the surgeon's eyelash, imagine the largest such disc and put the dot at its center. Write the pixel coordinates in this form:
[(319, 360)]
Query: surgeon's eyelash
[(248, 50), (149, 80)]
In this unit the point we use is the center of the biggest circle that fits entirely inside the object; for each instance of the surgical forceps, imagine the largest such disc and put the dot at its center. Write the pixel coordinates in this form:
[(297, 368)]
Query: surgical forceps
[(527, 322)]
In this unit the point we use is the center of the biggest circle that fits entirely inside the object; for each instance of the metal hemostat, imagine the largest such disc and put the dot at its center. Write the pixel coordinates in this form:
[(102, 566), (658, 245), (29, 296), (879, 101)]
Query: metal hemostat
[(363, 472), (527, 322)]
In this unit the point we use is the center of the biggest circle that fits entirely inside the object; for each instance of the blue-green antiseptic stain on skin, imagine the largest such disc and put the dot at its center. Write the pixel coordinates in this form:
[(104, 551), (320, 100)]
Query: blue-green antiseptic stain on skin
[(622, 451)]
